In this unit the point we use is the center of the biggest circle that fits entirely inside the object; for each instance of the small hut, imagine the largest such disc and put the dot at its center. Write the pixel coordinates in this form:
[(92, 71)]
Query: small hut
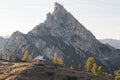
[(40, 60)]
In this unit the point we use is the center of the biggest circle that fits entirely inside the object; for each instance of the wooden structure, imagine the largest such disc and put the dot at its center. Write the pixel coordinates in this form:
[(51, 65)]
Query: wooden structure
[(40, 60)]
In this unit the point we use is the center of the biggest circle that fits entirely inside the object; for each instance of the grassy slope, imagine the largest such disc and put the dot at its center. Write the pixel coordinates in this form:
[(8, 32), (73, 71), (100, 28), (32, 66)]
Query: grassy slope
[(27, 71)]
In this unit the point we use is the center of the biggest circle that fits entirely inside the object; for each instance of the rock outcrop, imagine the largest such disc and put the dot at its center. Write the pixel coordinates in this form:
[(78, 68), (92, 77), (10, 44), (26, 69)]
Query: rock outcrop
[(61, 33)]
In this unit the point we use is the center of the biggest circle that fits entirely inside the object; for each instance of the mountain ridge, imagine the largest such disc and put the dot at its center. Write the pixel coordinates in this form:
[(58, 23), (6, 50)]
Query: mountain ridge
[(113, 42)]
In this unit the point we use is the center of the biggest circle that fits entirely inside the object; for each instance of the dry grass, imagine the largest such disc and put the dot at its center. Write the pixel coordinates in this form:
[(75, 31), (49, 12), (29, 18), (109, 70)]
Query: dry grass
[(27, 71), (8, 70)]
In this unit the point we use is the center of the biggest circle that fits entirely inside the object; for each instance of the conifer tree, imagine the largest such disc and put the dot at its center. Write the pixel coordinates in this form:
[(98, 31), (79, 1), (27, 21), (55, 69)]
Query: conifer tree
[(117, 75), (55, 58), (17, 59), (99, 71), (89, 64), (11, 59), (60, 62), (94, 69), (26, 56)]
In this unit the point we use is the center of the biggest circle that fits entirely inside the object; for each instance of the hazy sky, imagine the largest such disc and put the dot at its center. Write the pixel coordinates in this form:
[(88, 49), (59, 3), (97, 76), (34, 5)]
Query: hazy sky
[(101, 17)]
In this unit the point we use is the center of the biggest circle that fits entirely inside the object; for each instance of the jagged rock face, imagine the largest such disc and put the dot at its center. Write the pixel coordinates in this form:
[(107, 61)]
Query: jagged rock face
[(17, 44), (61, 33)]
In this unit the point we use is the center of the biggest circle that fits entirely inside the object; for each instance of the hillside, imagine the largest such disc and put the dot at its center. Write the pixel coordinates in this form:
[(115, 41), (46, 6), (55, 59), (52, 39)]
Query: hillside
[(27, 71), (10, 70), (112, 42)]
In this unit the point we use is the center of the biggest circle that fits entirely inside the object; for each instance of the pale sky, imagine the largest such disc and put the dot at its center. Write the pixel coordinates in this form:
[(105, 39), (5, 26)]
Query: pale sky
[(101, 17)]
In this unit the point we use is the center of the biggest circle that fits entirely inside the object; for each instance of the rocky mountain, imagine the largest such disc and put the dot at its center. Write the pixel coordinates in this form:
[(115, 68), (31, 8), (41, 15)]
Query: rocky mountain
[(112, 42), (2, 41), (61, 33)]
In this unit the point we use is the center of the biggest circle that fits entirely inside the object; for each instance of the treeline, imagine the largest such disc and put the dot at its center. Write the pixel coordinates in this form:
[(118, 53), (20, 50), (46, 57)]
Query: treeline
[(25, 58), (90, 66), (58, 61)]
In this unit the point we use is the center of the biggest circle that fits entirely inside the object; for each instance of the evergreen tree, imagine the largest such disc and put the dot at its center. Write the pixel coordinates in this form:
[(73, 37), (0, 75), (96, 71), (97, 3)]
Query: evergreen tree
[(89, 64), (17, 58), (26, 56), (11, 59)]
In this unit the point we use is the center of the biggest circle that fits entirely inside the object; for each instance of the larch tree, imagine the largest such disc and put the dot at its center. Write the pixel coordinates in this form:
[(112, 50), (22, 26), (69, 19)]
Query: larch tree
[(26, 56), (55, 58), (117, 75), (94, 69), (60, 62), (99, 71), (89, 64)]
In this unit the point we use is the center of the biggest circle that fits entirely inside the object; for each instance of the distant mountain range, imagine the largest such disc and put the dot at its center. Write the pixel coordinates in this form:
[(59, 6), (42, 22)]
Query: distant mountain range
[(62, 33), (112, 42)]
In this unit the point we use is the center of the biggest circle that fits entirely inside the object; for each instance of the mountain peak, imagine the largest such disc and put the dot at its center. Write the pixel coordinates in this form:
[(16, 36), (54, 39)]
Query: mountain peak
[(17, 33), (58, 8), (58, 5)]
